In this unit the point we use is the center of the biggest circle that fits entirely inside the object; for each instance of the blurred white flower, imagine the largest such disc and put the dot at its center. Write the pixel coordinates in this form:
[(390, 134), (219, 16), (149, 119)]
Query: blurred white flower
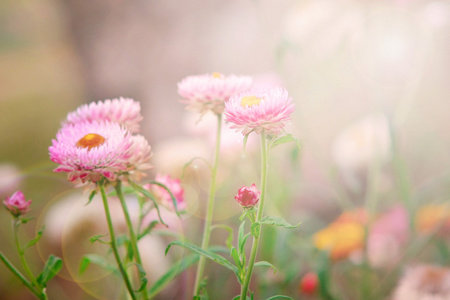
[(10, 179), (363, 143)]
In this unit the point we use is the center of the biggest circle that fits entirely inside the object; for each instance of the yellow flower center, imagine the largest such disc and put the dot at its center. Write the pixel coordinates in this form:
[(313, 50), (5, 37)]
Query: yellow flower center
[(250, 101), (216, 75), (90, 140)]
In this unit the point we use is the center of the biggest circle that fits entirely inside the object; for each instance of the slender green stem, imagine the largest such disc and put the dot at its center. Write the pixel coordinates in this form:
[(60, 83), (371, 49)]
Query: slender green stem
[(16, 224), (133, 239), (19, 275), (210, 209), (114, 243), (255, 244)]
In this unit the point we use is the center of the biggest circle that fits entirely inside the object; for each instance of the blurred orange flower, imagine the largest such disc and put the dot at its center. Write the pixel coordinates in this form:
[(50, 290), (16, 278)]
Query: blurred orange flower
[(341, 238), (433, 217)]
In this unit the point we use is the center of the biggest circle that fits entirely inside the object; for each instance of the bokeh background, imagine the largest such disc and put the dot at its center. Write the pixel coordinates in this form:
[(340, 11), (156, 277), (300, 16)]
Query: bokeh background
[(340, 60)]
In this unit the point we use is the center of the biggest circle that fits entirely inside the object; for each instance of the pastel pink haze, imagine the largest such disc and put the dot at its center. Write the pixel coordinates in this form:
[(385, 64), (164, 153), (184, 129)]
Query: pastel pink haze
[(248, 196), (124, 111), (89, 150), (174, 185), (17, 204), (209, 92), (259, 110)]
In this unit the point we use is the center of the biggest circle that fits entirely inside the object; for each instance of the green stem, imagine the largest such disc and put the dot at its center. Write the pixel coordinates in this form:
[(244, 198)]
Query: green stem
[(19, 275), (16, 224), (114, 242), (255, 244), (209, 210), (133, 239)]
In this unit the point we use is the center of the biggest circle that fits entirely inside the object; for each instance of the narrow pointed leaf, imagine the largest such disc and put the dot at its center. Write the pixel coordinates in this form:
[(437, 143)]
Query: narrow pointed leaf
[(280, 297), (266, 264), (51, 268), (277, 221), (36, 239), (206, 253)]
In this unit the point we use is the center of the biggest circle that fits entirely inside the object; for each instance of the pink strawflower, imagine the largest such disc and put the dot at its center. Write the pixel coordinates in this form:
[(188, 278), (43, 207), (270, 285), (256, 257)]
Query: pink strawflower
[(90, 150), (210, 91), (174, 185), (248, 196), (17, 204), (424, 282), (259, 110), (125, 111)]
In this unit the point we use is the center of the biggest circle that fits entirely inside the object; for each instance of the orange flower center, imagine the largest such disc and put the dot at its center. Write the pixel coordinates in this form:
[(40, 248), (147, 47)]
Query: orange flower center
[(250, 101), (90, 140), (216, 75)]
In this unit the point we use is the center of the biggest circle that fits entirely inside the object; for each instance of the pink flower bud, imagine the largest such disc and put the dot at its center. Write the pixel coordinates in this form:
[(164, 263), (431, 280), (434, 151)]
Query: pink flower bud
[(248, 196), (17, 204)]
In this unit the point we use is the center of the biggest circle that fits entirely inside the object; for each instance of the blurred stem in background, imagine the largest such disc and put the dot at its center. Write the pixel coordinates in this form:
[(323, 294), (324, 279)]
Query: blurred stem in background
[(255, 244), (209, 209)]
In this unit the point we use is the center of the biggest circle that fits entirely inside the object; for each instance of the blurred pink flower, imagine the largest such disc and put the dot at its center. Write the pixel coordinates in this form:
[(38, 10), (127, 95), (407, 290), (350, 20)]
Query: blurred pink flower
[(424, 282), (125, 111), (17, 204), (88, 151), (208, 92), (248, 196), (387, 237), (258, 110), (174, 185)]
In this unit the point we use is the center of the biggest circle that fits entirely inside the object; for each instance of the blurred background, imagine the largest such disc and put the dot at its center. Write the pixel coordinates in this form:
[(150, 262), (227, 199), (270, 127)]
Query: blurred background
[(370, 80)]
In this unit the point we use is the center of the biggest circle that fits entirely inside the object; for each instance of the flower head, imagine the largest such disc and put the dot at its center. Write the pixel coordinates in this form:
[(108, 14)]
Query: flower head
[(259, 110), (248, 196), (174, 185), (90, 150), (424, 282), (17, 204), (210, 91), (125, 111)]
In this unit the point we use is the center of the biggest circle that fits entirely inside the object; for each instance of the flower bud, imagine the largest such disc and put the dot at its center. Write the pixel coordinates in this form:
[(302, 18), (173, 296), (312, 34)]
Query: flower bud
[(16, 204), (248, 196)]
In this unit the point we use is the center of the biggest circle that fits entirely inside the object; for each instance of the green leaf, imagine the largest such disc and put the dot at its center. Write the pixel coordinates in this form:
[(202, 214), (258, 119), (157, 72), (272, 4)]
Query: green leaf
[(51, 268), (174, 270), (237, 297), (149, 195), (255, 229), (266, 264), (277, 221), (280, 297), (206, 253), (229, 241), (36, 239), (91, 196), (98, 260), (25, 220), (147, 230), (245, 139), (283, 140), (235, 256), (142, 277), (96, 238)]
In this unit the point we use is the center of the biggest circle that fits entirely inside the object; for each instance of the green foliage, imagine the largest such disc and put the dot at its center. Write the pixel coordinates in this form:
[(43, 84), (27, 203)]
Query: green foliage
[(98, 260), (36, 239), (51, 268)]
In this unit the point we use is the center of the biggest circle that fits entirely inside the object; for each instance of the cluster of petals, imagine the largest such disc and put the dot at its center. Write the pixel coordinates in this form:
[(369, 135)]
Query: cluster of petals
[(248, 196), (17, 204), (124, 111), (110, 158), (174, 185), (269, 113), (209, 92), (90, 149)]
